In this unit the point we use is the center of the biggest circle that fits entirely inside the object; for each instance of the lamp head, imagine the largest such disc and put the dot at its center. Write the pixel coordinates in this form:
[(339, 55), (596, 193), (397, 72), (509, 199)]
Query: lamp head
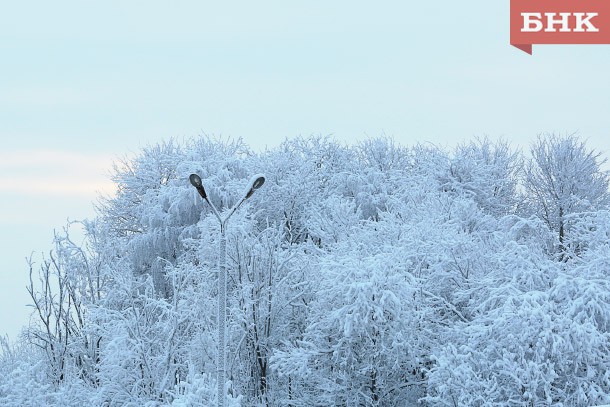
[(196, 182), (256, 182)]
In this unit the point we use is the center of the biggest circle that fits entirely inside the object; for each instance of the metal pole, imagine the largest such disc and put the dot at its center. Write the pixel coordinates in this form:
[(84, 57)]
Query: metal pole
[(222, 308), (255, 183)]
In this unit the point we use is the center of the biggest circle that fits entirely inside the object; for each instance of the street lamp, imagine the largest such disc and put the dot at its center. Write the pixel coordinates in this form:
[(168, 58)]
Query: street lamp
[(255, 183)]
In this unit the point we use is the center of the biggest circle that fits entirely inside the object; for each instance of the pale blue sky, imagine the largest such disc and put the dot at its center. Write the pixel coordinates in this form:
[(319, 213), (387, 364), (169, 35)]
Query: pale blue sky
[(84, 82)]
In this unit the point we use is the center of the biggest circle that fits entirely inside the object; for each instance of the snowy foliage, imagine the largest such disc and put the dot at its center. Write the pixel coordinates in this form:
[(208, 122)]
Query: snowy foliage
[(564, 178), (365, 275)]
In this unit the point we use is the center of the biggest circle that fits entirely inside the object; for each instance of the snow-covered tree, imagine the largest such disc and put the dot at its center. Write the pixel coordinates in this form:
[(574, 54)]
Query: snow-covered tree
[(357, 348), (563, 177), (367, 275), (486, 171)]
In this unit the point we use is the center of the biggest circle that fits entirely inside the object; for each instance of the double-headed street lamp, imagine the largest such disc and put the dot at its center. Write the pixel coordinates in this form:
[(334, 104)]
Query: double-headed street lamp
[(255, 183)]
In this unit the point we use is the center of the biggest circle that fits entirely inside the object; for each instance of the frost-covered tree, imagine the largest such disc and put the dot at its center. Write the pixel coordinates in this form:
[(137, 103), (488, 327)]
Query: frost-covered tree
[(486, 171), (267, 277), (367, 275), (357, 348), (563, 177), (537, 347), (538, 335), (62, 288)]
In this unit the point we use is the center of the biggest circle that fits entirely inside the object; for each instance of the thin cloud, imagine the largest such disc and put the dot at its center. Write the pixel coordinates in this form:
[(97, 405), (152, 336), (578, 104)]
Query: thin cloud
[(55, 173)]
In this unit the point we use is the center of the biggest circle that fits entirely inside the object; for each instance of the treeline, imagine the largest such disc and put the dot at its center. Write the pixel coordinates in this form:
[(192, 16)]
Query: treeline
[(366, 275)]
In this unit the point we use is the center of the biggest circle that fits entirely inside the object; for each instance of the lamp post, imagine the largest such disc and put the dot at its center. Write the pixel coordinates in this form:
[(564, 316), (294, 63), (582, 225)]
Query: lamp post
[(255, 183)]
